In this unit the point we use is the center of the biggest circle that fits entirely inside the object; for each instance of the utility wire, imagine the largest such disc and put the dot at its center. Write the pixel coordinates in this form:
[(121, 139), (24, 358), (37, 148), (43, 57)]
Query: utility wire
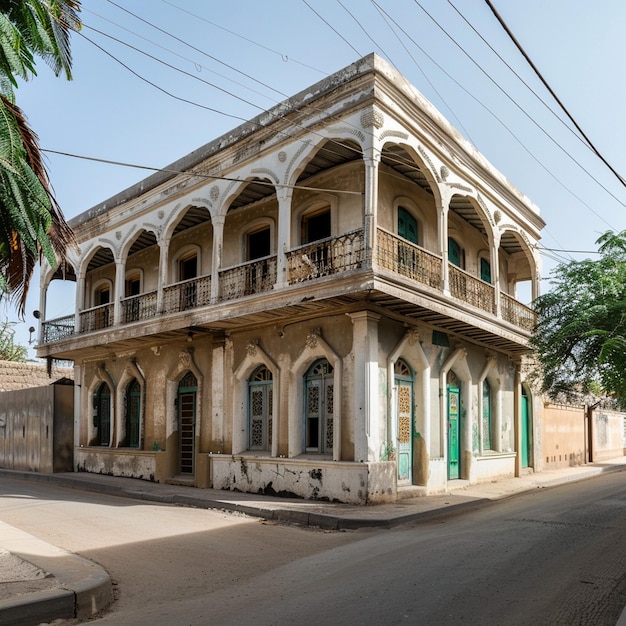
[(145, 80), (523, 111), (484, 106), (422, 72), (284, 57), (197, 65), (169, 34), (193, 174), (520, 78), (552, 93), (333, 28)]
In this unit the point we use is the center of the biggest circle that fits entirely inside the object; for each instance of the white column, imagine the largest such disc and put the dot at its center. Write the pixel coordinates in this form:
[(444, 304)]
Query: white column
[(118, 291), (164, 246), (216, 259), (365, 394), (495, 272), (442, 225), (283, 242), (43, 294), (80, 299), (370, 214)]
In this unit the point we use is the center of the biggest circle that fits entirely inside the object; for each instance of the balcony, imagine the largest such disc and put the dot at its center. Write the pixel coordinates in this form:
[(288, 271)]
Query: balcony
[(413, 271)]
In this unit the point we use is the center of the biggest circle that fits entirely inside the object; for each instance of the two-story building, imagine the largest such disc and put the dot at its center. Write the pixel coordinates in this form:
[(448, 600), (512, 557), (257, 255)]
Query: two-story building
[(321, 302)]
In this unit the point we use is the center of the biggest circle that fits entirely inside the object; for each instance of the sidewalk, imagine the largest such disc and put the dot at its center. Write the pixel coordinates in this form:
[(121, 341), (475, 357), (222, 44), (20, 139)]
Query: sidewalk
[(46, 583)]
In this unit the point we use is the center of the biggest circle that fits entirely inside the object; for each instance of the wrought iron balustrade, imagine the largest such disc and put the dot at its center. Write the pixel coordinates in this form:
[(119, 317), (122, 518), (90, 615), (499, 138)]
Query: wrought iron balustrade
[(96, 318), (472, 290), (325, 257), (517, 313), (256, 276), (187, 294), (57, 329), (141, 307), (408, 259)]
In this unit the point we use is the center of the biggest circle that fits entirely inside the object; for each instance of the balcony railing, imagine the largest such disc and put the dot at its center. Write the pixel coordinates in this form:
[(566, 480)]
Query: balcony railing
[(187, 294), (325, 257), (472, 290), (248, 278), (407, 259), (58, 329), (141, 307), (517, 313), (96, 318)]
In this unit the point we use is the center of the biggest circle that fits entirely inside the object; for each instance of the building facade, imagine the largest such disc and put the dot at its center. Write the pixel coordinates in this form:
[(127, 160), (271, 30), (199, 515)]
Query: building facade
[(322, 302)]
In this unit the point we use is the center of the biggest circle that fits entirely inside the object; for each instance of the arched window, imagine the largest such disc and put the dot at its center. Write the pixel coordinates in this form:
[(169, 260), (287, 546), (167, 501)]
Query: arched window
[(260, 395), (319, 409), (132, 417), (487, 422), (186, 402), (102, 419)]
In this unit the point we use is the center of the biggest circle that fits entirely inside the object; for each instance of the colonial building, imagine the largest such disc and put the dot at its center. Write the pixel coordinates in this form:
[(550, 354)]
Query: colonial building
[(321, 302)]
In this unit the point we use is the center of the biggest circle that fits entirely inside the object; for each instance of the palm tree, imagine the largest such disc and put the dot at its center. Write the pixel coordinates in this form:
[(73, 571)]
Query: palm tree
[(31, 221)]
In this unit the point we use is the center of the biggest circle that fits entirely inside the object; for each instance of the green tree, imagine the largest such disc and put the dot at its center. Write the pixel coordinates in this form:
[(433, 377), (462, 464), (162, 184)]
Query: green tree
[(9, 349), (31, 222), (580, 335)]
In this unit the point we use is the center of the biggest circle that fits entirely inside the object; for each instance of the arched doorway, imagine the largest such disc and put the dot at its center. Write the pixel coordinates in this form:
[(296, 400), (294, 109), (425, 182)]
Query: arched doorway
[(103, 415), (403, 382), (132, 417), (319, 400), (260, 397), (186, 402), (454, 428)]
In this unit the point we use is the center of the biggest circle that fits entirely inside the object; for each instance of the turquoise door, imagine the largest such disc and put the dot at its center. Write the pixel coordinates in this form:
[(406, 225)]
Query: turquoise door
[(524, 439), (404, 420), (454, 430)]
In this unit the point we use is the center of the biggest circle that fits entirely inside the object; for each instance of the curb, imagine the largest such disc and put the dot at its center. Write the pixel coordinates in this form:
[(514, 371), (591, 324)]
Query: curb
[(84, 587)]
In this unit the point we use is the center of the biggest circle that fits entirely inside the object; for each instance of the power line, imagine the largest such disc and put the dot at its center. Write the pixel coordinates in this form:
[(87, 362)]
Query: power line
[(518, 106), (333, 28), (193, 174), (552, 93), (285, 58), (421, 70), (484, 106)]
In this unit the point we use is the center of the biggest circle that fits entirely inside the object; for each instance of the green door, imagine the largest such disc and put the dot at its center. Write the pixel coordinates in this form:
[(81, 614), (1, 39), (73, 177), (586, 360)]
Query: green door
[(404, 420), (454, 252), (454, 431), (407, 225), (524, 439), (485, 270)]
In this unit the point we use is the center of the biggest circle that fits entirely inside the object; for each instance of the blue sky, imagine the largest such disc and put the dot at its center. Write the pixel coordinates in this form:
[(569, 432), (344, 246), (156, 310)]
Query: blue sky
[(240, 58)]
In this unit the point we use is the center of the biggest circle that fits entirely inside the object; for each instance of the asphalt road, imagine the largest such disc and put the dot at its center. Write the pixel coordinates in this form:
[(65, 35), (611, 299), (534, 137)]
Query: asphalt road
[(556, 556)]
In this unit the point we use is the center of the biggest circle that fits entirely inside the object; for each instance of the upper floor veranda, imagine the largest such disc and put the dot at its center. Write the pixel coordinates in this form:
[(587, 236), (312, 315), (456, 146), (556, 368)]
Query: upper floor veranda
[(363, 193)]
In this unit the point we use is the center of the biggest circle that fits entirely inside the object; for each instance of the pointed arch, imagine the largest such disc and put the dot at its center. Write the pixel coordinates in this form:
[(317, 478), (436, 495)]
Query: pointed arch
[(255, 357), (96, 408), (131, 373), (315, 348)]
